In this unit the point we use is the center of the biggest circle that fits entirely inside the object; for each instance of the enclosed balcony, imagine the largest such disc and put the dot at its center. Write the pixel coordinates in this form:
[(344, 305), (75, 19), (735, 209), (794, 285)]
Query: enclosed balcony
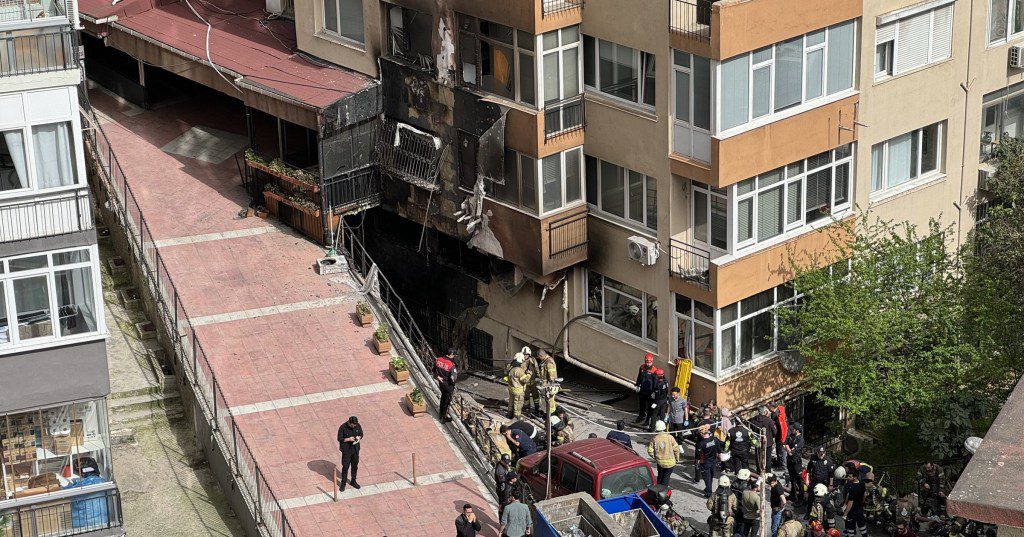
[(38, 50), (533, 16), (22, 219)]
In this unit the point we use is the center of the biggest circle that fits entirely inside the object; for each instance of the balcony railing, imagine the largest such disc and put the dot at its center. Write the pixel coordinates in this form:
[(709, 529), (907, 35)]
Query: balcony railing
[(563, 117), (567, 236), (75, 515), (691, 18), (551, 7), (690, 263), (46, 217), (40, 50), (354, 190), (24, 10)]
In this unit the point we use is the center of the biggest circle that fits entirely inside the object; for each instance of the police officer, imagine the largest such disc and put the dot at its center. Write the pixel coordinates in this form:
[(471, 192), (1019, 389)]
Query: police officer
[(706, 458), (446, 374), (644, 385), (738, 445), (820, 469), (723, 506), (794, 447), (501, 471), (545, 371), (517, 381), (665, 451)]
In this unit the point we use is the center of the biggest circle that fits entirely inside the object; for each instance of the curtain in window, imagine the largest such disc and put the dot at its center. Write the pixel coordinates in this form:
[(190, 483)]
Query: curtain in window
[(13, 174), (999, 12), (762, 90), (900, 161), (572, 175), (815, 61), (789, 73), (877, 167), (735, 104), (552, 181), (745, 220), (54, 152), (840, 57)]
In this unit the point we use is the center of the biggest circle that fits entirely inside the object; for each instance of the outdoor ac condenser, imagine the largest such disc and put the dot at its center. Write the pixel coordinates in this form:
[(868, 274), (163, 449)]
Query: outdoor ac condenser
[(643, 250), (276, 7), (1017, 56)]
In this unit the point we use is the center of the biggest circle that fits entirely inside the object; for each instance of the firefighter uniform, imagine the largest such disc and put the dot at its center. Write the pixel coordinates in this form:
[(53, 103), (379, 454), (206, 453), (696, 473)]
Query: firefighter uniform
[(544, 370), (665, 451), (722, 506), (517, 381)]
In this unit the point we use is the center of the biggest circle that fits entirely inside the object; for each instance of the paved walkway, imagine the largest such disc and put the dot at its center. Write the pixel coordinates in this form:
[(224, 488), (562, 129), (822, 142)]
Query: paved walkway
[(283, 342)]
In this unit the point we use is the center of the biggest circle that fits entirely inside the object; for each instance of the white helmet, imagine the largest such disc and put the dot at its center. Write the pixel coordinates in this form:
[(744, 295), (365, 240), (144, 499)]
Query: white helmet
[(659, 426), (724, 456), (554, 421), (743, 474), (724, 481), (518, 358), (820, 490), (527, 352), (840, 472)]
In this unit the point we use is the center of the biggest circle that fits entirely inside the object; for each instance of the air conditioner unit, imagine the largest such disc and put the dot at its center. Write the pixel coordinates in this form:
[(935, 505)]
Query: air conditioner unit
[(276, 7), (643, 250), (983, 178), (1017, 56)]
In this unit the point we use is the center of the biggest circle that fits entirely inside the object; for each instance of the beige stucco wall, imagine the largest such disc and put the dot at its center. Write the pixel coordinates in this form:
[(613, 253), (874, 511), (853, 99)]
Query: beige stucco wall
[(312, 40)]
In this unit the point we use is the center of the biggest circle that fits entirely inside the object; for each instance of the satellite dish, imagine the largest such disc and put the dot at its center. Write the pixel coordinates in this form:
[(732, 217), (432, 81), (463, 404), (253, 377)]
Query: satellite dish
[(792, 361), (972, 444)]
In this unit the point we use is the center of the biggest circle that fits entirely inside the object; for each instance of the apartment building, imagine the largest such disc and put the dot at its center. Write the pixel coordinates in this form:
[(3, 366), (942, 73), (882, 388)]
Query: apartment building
[(56, 476), (613, 180)]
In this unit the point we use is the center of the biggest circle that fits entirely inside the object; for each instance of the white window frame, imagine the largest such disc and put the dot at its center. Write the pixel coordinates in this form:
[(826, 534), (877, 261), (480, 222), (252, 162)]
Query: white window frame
[(7, 279), (337, 34), (998, 100), (565, 204), (893, 44), (75, 137), (737, 332), (1010, 14), (691, 323), (688, 124), (645, 300), (560, 50), (517, 46), (625, 219), (804, 104), (888, 67), (710, 193), (639, 62), (939, 171)]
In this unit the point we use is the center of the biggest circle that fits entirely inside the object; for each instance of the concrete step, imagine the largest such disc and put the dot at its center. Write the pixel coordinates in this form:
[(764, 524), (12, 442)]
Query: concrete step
[(129, 420), (146, 401), (149, 390)]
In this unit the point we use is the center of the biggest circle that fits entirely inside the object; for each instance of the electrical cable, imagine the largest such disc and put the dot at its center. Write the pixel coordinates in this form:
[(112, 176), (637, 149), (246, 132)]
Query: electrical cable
[(209, 58)]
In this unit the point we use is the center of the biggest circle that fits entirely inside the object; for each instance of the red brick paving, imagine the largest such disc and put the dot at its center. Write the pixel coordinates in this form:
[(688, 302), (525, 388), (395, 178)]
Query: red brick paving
[(289, 354)]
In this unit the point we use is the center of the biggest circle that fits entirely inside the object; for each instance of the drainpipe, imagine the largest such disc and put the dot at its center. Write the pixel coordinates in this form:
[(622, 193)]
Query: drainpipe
[(966, 86)]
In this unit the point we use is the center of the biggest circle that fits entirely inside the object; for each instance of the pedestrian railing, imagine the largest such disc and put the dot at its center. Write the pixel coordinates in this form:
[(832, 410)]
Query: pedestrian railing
[(178, 327)]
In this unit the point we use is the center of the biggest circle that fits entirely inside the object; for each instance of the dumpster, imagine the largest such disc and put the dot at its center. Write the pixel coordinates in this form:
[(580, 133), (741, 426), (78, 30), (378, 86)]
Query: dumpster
[(579, 515)]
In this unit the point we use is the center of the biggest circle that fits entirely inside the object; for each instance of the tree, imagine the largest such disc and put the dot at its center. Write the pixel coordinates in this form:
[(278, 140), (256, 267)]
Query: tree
[(882, 329), (993, 282)]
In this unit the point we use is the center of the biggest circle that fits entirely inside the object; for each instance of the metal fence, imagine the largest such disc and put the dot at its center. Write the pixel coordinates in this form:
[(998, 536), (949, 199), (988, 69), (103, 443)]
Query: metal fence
[(409, 154), (567, 235), (691, 18), (75, 515), (24, 10), (188, 349), (563, 117), (45, 217), (551, 7), (356, 189), (42, 51), (690, 263)]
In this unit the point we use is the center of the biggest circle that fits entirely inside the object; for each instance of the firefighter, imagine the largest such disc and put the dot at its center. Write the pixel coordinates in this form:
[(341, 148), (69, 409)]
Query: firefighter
[(645, 379), (822, 510), (517, 381), (722, 506), (544, 371), (561, 427), (932, 480), (665, 451), (790, 527)]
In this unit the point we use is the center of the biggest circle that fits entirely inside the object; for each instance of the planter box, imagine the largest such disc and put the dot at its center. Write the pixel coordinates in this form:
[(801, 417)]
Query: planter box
[(286, 178), (262, 213), (365, 320), (281, 199), (401, 377), (130, 297), (146, 330), (415, 409), (383, 347), (117, 266)]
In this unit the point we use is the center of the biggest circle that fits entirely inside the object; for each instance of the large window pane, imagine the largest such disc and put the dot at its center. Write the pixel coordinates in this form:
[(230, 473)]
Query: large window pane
[(769, 213), (528, 181), (527, 84), (75, 301), (840, 57), (623, 312), (352, 19), (331, 15), (595, 290), (701, 92), (652, 318), (570, 72), (719, 222), (930, 148), (789, 65), (735, 105), (682, 100), (842, 193), (636, 196), (745, 220), (573, 175), (900, 165), (32, 307), (877, 167), (591, 166), (762, 92), (13, 173), (552, 169), (819, 195), (612, 189), (496, 69), (588, 61), (815, 64), (794, 202), (704, 347), (551, 70), (684, 328), (998, 15), (700, 216), (648, 78), (1018, 16), (729, 347), (54, 154), (652, 203)]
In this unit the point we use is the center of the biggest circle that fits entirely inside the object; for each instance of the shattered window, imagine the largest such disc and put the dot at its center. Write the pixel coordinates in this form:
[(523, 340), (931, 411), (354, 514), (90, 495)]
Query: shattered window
[(491, 55)]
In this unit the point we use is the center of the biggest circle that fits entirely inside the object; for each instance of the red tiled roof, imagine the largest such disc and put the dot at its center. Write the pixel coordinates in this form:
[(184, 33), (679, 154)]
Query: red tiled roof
[(989, 490), (242, 40)]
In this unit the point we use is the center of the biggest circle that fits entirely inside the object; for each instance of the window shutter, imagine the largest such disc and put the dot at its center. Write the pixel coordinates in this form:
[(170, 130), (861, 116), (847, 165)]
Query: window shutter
[(818, 189), (912, 45), (885, 33), (942, 33), (769, 213)]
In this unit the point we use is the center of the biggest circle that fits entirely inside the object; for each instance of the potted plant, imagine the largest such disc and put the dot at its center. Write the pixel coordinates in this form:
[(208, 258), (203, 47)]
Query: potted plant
[(399, 369), (416, 403), (382, 340), (364, 313)]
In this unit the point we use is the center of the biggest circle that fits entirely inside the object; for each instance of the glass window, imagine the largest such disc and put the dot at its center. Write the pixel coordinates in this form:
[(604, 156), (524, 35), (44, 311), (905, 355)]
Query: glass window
[(552, 182), (568, 477), (906, 157), (789, 61), (13, 171), (841, 40), (75, 301), (815, 63), (756, 336), (701, 92), (700, 216), (29, 263), (998, 18), (492, 54), (769, 213), (621, 71), (54, 150), (622, 306), (624, 193), (5, 336), (585, 483), (745, 220), (33, 290), (729, 357), (32, 307), (528, 180), (735, 93), (344, 18), (627, 481), (719, 221)]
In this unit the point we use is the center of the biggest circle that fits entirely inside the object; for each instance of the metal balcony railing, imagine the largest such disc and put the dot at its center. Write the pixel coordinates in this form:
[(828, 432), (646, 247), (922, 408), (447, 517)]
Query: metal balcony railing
[(25, 10), (551, 7), (356, 189), (75, 515), (690, 263), (41, 50), (691, 18), (567, 236), (46, 217), (563, 117)]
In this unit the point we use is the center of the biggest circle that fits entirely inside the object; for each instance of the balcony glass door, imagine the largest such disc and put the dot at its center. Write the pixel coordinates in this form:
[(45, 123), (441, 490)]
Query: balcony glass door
[(709, 218), (563, 110), (691, 107)]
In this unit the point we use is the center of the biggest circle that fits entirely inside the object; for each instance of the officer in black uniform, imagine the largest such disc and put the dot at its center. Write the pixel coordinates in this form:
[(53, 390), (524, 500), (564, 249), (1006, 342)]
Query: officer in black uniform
[(794, 461), (738, 445), (706, 458)]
